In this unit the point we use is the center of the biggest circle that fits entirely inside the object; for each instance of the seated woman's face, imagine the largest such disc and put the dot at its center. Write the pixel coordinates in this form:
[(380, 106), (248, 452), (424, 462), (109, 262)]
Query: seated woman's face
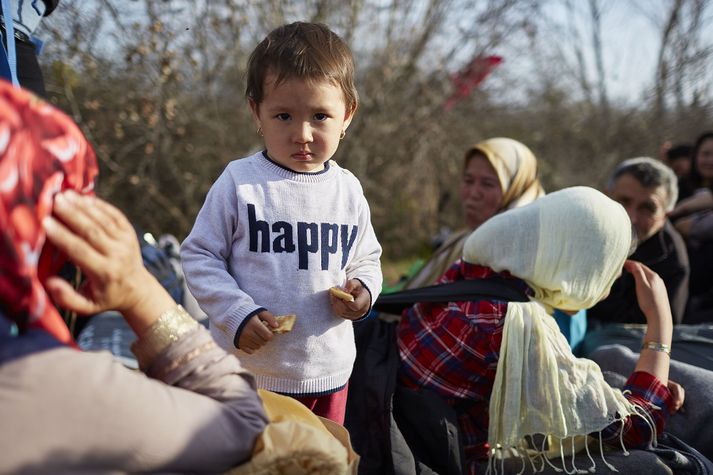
[(481, 194)]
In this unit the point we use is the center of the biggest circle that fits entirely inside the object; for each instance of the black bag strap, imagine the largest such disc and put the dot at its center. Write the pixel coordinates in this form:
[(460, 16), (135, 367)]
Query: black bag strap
[(495, 288)]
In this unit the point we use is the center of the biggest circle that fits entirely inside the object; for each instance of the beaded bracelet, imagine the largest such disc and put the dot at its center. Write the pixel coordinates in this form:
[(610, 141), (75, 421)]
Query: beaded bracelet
[(656, 346)]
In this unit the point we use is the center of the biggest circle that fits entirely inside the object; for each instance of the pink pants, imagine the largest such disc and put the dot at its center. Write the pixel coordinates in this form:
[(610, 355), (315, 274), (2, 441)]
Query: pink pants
[(332, 406)]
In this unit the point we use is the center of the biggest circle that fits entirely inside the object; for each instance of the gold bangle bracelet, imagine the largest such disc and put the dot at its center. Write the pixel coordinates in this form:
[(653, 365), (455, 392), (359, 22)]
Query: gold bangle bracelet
[(170, 326), (656, 346)]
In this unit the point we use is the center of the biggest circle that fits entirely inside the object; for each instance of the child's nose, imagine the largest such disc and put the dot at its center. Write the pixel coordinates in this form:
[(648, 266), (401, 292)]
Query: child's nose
[(304, 133)]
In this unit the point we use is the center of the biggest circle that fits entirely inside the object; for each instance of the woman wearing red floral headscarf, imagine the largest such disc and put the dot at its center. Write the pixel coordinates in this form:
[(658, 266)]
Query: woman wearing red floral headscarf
[(65, 411)]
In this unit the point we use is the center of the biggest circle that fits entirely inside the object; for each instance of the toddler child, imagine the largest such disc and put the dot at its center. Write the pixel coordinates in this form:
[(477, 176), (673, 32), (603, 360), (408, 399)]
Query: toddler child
[(282, 226)]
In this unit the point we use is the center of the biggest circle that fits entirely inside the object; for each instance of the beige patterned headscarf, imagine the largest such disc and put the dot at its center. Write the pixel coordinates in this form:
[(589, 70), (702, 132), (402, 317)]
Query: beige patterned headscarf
[(569, 246), (516, 167)]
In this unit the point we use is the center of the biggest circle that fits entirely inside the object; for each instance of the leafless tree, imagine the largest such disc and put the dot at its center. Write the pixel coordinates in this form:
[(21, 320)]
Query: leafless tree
[(158, 88)]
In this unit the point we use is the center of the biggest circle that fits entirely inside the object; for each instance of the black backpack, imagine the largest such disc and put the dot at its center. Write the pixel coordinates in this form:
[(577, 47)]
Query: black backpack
[(395, 430)]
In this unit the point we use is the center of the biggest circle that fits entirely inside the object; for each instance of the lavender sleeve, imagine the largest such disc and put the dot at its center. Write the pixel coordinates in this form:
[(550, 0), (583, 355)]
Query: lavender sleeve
[(68, 411), (205, 254)]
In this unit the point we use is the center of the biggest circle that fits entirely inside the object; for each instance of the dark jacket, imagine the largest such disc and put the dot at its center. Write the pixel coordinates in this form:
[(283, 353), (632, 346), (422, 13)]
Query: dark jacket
[(665, 253)]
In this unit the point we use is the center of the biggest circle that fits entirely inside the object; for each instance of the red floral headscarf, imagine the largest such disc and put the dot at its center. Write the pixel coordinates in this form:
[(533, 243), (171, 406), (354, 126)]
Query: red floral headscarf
[(42, 152)]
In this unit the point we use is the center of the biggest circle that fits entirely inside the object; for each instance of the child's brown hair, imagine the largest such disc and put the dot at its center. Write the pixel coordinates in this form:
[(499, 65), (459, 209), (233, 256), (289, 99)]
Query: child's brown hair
[(309, 51)]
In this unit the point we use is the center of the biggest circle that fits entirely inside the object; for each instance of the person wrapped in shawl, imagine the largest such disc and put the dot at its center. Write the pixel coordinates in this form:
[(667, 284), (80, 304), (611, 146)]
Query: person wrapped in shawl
[(498, 174), (505, 367)]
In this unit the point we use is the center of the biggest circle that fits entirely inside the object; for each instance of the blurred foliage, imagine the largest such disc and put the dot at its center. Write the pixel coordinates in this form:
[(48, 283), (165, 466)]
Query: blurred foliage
[(158, 88)]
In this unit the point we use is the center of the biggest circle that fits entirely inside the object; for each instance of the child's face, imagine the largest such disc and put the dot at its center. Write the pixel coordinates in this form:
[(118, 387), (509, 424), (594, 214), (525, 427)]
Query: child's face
[(301, 122)]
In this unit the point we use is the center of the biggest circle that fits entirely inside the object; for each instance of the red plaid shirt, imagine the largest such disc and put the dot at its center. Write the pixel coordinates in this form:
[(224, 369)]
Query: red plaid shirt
[(453, 350)]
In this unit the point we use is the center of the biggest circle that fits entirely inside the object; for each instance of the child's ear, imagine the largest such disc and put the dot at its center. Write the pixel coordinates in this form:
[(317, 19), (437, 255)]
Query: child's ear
[(349, 115)]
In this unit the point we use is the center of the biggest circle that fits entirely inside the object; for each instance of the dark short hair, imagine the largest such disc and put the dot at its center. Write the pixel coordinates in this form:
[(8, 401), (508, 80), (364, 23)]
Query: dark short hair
[(309, 51), (679, 151), (651, 174)]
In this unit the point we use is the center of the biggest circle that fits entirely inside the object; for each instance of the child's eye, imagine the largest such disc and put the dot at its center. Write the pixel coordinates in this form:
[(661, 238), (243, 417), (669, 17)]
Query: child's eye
[(283, 116), (320, 117)]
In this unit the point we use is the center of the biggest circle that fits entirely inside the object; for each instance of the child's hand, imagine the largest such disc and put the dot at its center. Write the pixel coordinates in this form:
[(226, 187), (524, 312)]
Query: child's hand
[(678, 394), (357, 308), (255, 333)]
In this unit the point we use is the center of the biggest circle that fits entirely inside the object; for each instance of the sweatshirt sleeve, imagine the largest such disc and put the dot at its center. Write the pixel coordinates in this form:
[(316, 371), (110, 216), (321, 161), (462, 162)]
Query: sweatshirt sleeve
[(205, 255), (366, 264)]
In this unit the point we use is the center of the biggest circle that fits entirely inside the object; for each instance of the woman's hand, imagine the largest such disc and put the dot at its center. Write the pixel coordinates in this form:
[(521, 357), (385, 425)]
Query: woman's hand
[(99, 240), (651, 294), (653, 301), (352, 310)]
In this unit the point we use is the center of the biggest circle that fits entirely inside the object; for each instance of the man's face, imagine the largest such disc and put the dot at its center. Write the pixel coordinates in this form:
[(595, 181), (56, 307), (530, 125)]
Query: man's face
[(646, 207)]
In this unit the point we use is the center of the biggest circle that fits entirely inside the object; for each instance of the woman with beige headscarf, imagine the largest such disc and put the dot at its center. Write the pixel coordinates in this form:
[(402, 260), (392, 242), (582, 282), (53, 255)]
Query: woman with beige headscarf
[(506, 369), (498, 174)]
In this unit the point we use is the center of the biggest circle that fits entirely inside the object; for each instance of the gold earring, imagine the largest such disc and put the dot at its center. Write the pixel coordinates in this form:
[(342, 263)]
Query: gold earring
[(343, 134), (259, 131)]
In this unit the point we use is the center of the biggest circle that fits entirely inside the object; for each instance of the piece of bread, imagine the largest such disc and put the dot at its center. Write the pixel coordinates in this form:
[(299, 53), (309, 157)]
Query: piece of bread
[(286, 322), (341, 294)]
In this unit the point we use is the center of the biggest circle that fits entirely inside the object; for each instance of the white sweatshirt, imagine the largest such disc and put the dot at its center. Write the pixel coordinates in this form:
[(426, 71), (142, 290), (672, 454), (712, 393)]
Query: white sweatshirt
[(271, 238)]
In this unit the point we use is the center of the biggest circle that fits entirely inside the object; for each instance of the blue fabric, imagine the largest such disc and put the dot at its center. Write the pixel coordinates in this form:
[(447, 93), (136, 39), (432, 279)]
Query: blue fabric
[(4, 66), (109, 331), (39, 45), (7, 327), (573, 327), (13, 346), (10, 59), (681, 457), (158, 261)]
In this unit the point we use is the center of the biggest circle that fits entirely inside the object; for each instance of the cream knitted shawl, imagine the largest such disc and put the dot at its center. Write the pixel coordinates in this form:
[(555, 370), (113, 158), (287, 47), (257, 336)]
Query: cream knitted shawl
[(569, 246)]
